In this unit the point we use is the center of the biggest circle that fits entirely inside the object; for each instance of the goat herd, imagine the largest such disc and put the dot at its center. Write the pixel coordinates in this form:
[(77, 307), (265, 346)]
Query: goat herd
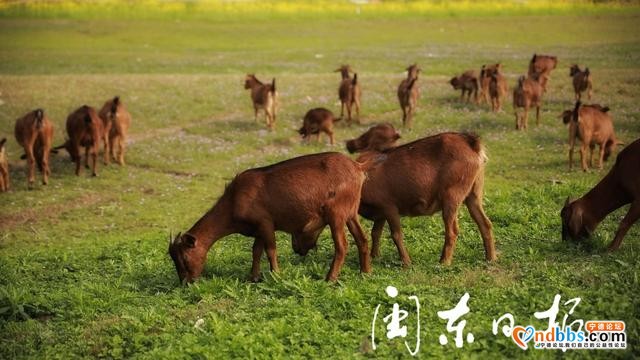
[(301, 196)]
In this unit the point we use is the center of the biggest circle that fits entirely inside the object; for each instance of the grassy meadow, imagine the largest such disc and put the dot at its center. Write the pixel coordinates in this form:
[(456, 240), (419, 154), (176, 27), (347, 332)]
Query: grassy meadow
[(84, 269)]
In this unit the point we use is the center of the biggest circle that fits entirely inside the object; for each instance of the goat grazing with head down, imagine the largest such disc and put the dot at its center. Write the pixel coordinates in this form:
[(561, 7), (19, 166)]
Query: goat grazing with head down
[(299, 196), (469, 83), (316, 121), (581, 81), (263, 96), (619, 187), (85, 129), (4, 167), (527, 94), (34, 132), (349, 93), (116, 121), (378, 138), (592, 124), (540, 67), (408, 93)]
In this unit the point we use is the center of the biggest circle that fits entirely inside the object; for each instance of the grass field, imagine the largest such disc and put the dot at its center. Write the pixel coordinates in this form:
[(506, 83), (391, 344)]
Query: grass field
[(84, 270)]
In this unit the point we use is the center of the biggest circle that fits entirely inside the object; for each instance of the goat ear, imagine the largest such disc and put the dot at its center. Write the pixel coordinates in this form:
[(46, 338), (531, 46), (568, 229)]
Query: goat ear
[(188, 240)]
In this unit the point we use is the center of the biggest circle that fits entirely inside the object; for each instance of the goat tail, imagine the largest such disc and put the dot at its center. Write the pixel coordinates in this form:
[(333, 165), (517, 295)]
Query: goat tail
[(605, 109), (39, 116), (476, 145), (576, 110), (355, 79), (273, 85), (587, 72), (2, 142)]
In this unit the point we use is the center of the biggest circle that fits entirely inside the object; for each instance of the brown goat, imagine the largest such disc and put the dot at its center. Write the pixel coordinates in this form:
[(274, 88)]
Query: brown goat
[(85, 129), (619, 187), (4, 167), (299, 196), (34, 132), (263, 96), (468, 82), (497, 90), (485, 79), (438, 173), (527, 94), (116, 121), (540, 67), (592, 125), (408, 93), (378, 138), (581, 81), (349, 93), (316, 121)]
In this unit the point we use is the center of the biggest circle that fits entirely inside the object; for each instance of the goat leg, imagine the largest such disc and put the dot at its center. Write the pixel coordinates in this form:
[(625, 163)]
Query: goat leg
[(632, 216), (361, 242), (340, 244), (376, 233), (258, 248), (450, 217)]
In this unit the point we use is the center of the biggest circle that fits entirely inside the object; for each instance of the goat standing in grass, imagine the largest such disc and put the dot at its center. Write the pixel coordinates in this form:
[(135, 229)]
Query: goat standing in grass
[(540, 67), (581, 81), (349, 93), (85, 129), (408, 93), (263, 96), (527, 94), (467, 82), (316, 121), (592, 124), (34, 132), (116, 120)]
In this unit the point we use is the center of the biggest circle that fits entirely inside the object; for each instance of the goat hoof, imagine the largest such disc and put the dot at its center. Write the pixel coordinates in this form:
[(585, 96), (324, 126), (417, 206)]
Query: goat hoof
[(94, 175)]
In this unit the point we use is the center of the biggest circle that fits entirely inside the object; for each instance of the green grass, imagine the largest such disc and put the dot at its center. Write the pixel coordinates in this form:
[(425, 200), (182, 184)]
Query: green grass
[(84, 270)]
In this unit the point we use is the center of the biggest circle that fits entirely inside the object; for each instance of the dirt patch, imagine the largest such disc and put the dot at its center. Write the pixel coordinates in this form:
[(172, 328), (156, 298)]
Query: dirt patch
[(50, 212)]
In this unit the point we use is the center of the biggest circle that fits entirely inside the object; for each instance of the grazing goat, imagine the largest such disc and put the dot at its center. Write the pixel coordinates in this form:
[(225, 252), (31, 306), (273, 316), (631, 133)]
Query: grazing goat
[(581, 81), (436, 173), (592, 125), (263, 96), (468, 82), (497, 90), (619, 187), (349, 93), (34, 132), (316, 121), (116, 120), (408, 92), (4, 167), (527, 94), (299, 196), (378, 138), (540, 67), (85, 129), (485, 79)]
